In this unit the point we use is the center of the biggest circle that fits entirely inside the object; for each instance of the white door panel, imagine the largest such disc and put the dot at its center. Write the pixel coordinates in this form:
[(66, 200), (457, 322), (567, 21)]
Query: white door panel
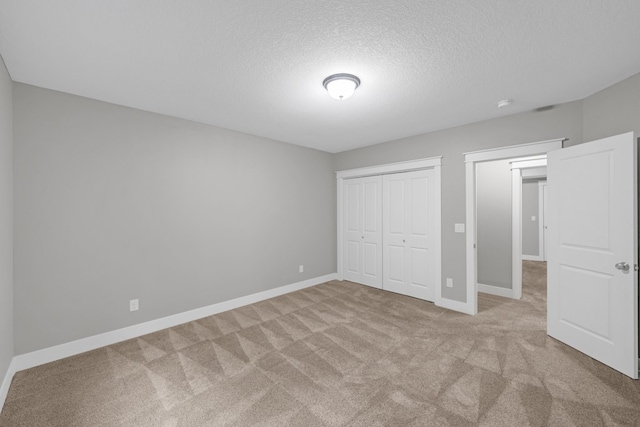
[(591, 316), (408, 234), (352, 251), (419, 207), (395, 205), (371, 268), (352, 206), (395, 265), (352, 235), (363, 230), (592, 226), (420, 272), (371, 204)]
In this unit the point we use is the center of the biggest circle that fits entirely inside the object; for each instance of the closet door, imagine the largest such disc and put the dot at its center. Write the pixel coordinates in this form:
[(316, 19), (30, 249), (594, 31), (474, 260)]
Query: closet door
[(363, 230), (408, 233)]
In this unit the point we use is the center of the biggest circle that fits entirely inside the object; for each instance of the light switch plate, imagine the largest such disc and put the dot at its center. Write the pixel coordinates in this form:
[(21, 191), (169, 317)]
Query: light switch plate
[(459, 228)]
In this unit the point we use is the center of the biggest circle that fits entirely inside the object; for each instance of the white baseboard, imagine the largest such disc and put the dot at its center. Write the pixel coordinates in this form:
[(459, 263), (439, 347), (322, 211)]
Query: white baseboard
[(495, 290), (6, 382), (51, 354), (532, 258), (462, 307)]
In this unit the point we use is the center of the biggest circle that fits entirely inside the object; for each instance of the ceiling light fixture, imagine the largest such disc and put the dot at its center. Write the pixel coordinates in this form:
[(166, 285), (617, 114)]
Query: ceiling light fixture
[(341, 86)]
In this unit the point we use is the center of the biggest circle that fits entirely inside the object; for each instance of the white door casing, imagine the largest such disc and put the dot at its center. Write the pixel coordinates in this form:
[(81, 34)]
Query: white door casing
[(542, 214), (363, 230), (408, 234), (471, 159), (592, 234)]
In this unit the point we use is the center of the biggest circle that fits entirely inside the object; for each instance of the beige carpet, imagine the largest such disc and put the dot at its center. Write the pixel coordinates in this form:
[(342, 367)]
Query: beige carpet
[(335, 354)]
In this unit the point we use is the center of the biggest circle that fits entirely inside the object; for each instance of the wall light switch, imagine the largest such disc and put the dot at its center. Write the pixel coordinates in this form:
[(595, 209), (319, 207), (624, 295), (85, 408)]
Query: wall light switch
[(301, 269), (133, 305), (533, 218), (459, 228), (449, 282)]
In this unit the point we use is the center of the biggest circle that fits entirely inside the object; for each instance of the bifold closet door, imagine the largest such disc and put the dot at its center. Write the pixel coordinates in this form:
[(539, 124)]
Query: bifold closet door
[(408, 233), (363, 230)]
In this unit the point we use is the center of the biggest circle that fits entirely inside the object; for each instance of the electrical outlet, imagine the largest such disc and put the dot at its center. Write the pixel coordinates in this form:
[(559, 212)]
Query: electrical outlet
[(533, 217), (301, 268), (449, 282), (133, 305)]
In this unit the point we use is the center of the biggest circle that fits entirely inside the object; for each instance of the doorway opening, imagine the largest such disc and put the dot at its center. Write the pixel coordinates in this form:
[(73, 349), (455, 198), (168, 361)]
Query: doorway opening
[(534, 192), (507, 222), (525, 156)]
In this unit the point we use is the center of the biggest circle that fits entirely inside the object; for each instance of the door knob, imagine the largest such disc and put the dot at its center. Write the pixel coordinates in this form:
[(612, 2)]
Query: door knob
[(622, 266)]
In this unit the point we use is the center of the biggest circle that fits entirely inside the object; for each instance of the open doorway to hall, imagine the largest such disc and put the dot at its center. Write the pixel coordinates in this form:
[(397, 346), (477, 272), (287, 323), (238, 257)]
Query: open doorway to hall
[(505, 277), (509, 221), (534, 227)]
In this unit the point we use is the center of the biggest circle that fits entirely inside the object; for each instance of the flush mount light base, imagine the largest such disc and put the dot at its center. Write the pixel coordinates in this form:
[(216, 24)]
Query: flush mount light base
[(341, 86), (505, 103)]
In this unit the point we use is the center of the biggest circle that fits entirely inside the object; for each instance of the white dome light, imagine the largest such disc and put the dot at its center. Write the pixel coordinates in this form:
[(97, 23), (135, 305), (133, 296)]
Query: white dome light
[(341, 86)]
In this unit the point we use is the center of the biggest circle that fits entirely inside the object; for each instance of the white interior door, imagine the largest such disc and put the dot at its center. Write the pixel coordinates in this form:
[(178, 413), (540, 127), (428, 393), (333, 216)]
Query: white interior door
[(408, 233), (543, 220), (592, 250), (362, 249)]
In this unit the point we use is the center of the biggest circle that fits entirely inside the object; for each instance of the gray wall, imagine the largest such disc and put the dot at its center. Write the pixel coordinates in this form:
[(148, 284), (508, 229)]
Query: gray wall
[(6, 221), (613, 110), (530, 229), (564, 120), (113, 203), (493, 219)]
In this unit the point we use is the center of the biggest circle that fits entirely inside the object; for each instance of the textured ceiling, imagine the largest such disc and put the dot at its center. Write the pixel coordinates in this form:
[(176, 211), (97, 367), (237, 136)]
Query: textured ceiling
[(257, 66)]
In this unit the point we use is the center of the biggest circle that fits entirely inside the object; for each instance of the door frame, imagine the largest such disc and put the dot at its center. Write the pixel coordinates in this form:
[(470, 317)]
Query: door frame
[(542, 209), (540, 214), (388, 168), (471, 158)]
